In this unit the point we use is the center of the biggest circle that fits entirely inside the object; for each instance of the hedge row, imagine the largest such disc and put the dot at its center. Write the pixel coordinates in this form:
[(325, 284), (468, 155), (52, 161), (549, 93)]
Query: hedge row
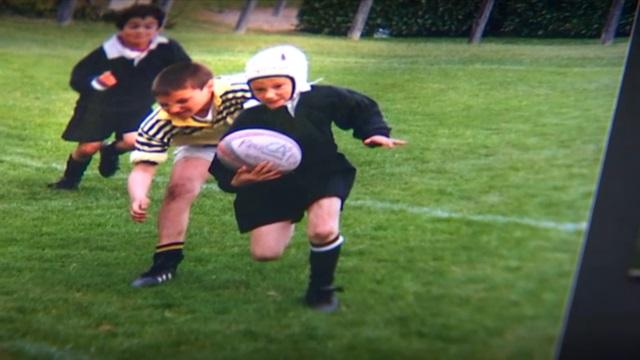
[(526, 18), (404, 18)]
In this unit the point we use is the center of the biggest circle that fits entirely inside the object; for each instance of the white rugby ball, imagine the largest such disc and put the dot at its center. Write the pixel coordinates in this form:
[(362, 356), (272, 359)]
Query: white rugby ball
[(252, 146)]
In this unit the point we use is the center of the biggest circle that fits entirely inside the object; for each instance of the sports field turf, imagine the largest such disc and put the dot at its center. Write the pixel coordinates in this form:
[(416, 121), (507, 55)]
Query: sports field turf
[(461, 245)]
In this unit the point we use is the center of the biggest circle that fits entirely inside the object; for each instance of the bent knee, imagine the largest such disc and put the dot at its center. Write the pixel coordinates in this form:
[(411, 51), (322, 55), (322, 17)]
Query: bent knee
[(87, 149), (181, 191), (322, 235), (265, 255), (129, 138), (127, 144)]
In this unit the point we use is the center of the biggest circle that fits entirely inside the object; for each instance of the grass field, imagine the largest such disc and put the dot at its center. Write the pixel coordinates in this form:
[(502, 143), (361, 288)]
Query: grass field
[(461, 245)]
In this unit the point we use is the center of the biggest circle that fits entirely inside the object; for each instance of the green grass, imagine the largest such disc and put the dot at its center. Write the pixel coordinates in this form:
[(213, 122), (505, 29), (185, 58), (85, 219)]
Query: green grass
[(455, 244)]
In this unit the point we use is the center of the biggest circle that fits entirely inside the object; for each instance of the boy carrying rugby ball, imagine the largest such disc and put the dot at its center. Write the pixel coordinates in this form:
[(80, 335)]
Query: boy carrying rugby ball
[(269, 203)]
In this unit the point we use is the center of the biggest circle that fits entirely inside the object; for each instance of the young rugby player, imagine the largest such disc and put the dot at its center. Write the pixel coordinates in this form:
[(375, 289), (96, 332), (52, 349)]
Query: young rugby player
[(114, 83), (196, 109), (267, 203)]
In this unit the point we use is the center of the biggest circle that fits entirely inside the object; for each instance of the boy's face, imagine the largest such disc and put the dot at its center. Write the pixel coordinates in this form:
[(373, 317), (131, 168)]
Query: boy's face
[(272, 91), (138, 32), (187, 102)]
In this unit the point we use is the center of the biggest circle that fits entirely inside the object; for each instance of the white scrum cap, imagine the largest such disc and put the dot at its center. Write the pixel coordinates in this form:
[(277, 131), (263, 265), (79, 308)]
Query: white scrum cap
[(282, 60)]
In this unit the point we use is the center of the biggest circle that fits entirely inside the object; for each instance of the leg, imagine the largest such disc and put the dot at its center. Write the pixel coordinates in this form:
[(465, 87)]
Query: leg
[(85, 151), (187, 177), (268, 242), (324, 220), (127, 143), (77, 164), (110, 152), (324, 235)]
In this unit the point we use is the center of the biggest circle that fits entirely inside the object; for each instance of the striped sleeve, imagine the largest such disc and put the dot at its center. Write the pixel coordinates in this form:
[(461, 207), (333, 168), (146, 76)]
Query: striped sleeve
[(233, 102), (153, 139)]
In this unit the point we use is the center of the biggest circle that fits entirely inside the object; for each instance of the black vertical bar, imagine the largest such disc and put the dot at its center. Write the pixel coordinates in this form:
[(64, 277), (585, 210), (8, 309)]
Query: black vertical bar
[(602, 319), (634, 268)]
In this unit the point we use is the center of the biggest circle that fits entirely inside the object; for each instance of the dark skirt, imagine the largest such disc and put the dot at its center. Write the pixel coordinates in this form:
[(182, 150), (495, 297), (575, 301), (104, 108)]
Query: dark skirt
[(288, 198), (91, 122)]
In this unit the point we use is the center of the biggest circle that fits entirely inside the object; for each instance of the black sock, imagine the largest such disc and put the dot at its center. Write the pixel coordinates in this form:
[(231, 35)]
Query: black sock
[(323, 261), (112, 150), (167, 257), (75, 169)]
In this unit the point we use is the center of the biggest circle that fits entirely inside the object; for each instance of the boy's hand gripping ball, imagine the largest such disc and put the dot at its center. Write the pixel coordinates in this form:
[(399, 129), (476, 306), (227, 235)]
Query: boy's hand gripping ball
[(252, 146)]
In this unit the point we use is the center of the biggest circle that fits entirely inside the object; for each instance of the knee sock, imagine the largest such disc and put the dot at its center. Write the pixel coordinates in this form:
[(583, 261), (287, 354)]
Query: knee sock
[(112, 150), (323, 260), (167, 256), (75, 169), (116, 150)]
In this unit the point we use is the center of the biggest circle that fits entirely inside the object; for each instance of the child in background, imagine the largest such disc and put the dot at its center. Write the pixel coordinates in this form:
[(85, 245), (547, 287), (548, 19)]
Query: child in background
[(196, 110), (114, 83), (267, 203)]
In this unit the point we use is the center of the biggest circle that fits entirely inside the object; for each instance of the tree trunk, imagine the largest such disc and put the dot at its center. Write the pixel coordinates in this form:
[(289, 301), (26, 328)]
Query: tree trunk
[(360, 19), (64, 13), (243, 20), (165, 5), (280, 5), (609, 30), (480, 22)]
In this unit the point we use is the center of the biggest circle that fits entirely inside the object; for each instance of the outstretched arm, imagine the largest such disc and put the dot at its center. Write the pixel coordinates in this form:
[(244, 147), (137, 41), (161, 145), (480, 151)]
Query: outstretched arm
[(139, 183), (383, 141)]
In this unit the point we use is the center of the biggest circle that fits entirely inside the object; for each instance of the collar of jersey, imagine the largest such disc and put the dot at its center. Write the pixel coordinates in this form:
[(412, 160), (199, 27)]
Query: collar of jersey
[(193, 122), (114, 48)]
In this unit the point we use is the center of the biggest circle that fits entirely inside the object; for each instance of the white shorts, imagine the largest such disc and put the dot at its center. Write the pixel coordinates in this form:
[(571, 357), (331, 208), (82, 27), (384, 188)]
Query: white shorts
[(206, 152)]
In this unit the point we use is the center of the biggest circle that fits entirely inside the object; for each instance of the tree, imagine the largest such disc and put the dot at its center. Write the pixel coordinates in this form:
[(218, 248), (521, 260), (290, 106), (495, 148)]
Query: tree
[(165, 5), (609, 30), (64, 12), (243, 19), (480, 21), (360, 19)]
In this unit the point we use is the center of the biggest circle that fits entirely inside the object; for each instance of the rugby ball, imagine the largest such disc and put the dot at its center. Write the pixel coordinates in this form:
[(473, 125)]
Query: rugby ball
[(252, 146)]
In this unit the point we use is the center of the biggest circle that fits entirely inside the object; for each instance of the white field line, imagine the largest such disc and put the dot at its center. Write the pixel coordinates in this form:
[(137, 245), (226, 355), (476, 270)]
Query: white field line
[(25, 161), (488, 218), (39, 350), (446, 214), (439, 63), (380, 205)]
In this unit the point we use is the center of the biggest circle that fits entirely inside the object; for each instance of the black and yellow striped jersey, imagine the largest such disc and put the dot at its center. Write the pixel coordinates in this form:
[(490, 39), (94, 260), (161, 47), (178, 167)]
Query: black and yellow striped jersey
[(160, 130)]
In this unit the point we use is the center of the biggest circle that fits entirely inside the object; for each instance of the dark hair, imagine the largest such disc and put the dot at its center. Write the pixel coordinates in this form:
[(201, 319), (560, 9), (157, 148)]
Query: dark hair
[(139, 11), (181, 76)]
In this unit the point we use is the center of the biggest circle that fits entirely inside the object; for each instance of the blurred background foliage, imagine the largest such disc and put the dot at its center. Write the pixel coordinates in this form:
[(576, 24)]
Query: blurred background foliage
[(526, 18), (398, 18)]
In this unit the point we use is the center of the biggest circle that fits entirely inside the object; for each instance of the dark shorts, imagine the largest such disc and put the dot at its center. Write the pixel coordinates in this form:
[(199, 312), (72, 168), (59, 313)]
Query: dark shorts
[(89, 125), (288, 199)]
